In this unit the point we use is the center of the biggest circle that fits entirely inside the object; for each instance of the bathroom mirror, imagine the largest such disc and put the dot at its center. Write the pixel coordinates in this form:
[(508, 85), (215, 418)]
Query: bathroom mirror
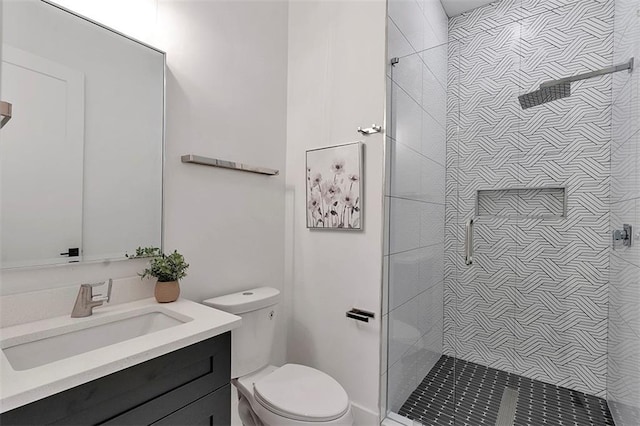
[(81, 156)]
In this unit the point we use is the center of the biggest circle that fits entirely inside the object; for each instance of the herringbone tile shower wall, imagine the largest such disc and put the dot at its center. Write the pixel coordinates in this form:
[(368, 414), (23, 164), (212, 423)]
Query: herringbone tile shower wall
[(534, 302)]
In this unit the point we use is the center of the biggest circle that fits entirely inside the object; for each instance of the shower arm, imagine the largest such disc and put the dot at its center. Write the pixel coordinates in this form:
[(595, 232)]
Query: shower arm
[(604, 71)]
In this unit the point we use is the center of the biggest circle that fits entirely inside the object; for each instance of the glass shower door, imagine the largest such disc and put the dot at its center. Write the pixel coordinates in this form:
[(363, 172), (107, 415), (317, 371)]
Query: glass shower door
[(419, 376)]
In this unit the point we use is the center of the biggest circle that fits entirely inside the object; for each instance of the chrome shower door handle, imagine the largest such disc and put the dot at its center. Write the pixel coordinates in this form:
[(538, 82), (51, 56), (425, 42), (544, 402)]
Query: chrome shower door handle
[(5, 113), (468, 243)]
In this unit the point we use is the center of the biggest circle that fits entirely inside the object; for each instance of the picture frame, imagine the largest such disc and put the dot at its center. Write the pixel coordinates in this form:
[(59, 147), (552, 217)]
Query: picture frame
[(334, 187)]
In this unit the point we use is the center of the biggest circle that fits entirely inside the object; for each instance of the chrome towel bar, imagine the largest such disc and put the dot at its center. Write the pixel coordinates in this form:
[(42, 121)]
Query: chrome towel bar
[(214, 162)]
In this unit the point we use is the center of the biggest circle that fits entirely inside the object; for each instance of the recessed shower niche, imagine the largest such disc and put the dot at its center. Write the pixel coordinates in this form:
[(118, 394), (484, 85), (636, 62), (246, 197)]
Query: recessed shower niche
[(540, 203)]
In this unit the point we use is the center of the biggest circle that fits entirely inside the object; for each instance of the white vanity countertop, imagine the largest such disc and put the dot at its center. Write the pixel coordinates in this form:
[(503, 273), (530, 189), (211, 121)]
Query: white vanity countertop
[(18, 388)]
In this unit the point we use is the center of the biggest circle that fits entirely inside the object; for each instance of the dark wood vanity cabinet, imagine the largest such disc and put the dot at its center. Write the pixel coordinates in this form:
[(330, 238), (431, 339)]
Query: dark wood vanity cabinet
[(186, 387)]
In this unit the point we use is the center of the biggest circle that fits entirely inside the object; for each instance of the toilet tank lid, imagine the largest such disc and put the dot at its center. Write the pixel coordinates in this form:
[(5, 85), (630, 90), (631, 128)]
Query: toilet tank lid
[(245, 301)]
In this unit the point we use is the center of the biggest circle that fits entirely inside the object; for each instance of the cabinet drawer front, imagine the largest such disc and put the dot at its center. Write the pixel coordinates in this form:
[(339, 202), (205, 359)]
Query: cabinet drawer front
[(165, 404), (213, 409), (104, 398)]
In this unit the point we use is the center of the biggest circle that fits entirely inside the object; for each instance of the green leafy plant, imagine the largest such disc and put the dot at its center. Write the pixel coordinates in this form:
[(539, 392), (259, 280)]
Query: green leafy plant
[(142, 252), (166, 268)]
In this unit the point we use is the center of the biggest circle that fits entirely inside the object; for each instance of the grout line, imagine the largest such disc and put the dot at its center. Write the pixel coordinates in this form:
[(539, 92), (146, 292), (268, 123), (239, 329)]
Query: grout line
[(444, 126), (416, 249), (620, 258), (418, 294), (626, 323), (397, 197), (614, 100), (417, 152), (403, 35), (626, 200), (615, 150)]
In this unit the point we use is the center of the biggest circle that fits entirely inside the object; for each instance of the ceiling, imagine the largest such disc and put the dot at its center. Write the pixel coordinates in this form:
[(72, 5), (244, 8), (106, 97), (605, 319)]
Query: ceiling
[(456, 7)]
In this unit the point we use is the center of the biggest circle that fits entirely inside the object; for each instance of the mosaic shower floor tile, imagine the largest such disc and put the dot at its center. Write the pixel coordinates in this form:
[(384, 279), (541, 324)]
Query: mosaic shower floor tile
[(470, 394)]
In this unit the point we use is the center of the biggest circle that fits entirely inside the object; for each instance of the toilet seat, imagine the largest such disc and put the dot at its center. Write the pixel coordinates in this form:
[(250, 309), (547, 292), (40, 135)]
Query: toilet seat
[(301, 393)]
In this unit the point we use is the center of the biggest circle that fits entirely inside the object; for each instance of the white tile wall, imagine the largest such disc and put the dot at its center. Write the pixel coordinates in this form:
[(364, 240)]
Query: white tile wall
[(434, 97), (413, 272), (437, 21), (417, 34), (405, 172), (404, 226), (409, 19), (409, 77), (433, 133), (404, 273), (415, 224), (406, 116), (397, 44), (403, 330), (402, 379), (430, 310), (435, 59)]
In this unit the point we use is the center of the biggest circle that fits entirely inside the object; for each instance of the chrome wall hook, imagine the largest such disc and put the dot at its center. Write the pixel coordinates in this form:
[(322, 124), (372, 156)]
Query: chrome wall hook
[(370, 130)]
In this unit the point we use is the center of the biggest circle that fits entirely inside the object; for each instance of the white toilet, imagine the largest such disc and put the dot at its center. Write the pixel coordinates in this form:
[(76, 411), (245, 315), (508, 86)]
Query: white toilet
[(291, 395)]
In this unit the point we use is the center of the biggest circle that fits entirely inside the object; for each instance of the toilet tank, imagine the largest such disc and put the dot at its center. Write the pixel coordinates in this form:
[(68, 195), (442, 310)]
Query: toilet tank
[(251, 343)]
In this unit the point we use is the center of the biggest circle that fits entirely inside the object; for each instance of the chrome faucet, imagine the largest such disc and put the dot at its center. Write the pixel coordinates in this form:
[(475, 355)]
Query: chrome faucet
[(86, 300)]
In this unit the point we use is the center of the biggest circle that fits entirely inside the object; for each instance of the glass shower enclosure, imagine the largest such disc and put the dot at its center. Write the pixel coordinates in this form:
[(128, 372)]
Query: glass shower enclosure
[(502, 282)]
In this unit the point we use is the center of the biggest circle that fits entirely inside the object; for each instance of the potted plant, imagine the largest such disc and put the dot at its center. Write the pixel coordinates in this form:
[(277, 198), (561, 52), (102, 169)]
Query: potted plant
[(168, 269)]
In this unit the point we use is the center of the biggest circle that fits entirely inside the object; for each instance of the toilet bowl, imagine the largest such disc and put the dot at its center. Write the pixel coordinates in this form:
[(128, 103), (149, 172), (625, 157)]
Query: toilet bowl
[(291, 395)]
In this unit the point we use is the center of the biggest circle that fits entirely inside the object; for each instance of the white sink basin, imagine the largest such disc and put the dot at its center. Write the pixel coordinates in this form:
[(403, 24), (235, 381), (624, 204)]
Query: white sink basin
[(41, 358), (35, 350)]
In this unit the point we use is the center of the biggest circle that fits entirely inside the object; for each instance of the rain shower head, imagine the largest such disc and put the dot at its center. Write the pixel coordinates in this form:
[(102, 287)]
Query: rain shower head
[(558, 89), (544, 95)]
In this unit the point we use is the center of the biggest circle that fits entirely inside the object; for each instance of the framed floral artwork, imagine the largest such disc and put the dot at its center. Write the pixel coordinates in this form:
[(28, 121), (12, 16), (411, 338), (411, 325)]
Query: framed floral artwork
[(334, 187)]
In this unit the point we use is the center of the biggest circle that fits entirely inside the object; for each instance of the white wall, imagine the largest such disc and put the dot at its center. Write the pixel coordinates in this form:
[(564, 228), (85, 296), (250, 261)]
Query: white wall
[(336, 83), (226, 98)]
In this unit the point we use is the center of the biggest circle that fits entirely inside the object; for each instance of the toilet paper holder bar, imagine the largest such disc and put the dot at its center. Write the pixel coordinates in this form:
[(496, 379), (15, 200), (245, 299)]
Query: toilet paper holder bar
[(360, 315)]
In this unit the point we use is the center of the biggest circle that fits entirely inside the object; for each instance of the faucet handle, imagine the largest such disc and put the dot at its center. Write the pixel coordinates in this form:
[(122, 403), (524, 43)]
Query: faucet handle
[(109, 290), (98, 297)]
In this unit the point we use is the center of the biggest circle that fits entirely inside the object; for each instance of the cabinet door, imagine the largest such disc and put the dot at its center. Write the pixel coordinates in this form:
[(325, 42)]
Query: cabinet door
[(164, 405), (212, 409)]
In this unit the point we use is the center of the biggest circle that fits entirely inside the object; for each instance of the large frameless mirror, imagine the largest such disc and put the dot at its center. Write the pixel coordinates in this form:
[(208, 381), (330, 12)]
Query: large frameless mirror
[(81, 156)]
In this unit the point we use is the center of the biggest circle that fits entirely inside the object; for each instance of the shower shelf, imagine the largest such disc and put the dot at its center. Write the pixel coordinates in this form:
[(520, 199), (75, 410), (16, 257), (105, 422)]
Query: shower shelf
[(534, 202), (214, 162)]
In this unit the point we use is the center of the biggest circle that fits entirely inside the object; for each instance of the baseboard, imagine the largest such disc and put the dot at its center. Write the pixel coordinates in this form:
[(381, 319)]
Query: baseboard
[(363, 416)]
